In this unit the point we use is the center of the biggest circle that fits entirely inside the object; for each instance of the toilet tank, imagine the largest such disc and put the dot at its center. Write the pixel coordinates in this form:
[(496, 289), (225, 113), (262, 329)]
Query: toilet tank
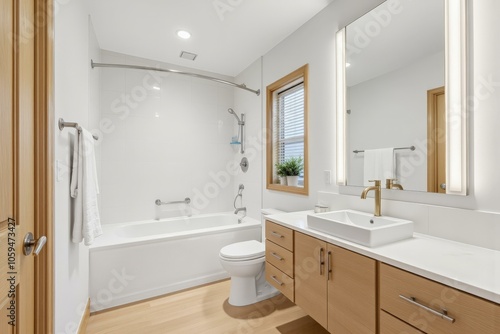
[(263, 214)]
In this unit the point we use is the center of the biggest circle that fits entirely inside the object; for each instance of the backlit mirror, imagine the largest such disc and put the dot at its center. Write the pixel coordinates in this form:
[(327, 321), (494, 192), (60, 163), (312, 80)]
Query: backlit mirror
[(399, 113)]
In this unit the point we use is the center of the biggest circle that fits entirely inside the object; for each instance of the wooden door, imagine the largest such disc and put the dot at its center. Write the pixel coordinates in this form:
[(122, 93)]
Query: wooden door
[(310, 277), (352, 290), (17, 200), (436, 139)]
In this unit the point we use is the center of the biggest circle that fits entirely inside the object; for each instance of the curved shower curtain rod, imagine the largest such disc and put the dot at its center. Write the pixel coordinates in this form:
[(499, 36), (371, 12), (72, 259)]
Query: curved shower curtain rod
[(201, 76)]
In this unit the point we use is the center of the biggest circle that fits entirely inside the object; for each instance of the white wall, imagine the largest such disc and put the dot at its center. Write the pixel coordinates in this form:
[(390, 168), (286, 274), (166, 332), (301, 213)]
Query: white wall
[(76, 97), (391, 111), (313, 43), (167, 143)]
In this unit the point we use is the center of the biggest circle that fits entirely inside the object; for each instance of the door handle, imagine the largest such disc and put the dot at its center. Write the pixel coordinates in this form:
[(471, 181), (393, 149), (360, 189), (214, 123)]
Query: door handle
[(30, 242), (443, 186), (329, 265), (321, 260)]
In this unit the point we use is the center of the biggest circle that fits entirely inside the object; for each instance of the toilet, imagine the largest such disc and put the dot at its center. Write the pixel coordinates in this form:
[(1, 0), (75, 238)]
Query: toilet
[(245, 263)]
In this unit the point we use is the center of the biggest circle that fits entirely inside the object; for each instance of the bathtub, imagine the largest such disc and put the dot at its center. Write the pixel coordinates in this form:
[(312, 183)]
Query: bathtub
[(138, 260)]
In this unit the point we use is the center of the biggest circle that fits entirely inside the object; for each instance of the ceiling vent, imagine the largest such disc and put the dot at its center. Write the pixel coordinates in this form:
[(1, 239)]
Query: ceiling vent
[(188, 55)]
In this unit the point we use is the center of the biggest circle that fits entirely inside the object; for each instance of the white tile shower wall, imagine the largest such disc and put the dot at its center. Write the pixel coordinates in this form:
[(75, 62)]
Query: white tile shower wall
[(250, 105), (468, 226), (167, 137)]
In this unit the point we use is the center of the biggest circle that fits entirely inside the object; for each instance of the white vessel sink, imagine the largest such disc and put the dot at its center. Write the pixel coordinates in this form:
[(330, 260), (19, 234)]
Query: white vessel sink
[(360, 227)]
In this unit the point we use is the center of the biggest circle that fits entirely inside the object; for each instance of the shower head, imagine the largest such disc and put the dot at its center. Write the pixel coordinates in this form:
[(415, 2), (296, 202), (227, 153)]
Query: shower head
[(231, 111)]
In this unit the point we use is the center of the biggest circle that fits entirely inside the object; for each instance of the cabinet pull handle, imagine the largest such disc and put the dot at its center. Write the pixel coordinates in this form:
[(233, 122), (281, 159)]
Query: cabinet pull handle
[(276, 280), (329, 264), (277, 235), (277, 256), (442, 315), (321, 260)]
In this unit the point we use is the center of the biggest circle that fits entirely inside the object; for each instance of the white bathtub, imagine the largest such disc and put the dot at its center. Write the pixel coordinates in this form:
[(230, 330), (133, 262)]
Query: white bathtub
[(138, 260)]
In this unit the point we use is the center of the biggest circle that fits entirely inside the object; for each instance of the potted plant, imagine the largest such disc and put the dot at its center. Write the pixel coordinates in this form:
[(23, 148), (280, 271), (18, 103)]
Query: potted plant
[(293, 168), (281, 172)]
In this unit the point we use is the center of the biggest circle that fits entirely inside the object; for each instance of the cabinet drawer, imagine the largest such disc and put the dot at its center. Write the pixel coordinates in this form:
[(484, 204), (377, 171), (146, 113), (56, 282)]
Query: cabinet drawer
[(279, 257), (280, 281), (471, 314), (280, 235), (392, 325)]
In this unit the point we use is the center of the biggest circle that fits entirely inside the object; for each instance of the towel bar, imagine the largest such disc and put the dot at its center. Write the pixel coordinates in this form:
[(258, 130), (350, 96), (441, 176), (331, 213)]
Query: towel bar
[(397, 148), (63, 124)]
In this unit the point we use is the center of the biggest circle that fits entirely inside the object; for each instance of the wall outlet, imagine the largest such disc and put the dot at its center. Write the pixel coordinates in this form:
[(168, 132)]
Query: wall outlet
[(328, 176)]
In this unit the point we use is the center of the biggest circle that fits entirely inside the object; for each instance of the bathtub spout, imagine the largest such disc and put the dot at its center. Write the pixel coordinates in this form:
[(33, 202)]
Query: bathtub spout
[(244, 209), (240, 209)]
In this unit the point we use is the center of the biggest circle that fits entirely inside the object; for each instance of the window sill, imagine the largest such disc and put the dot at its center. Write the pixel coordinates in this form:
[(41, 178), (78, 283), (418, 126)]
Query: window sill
[(288, 189)]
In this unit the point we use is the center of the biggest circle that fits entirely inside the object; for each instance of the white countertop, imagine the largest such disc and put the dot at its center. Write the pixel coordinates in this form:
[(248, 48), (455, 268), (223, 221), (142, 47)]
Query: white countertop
[(465, 267)]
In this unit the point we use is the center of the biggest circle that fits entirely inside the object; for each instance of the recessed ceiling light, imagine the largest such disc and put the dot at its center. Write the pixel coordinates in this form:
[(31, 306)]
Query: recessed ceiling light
[(183, 34), (347, 64)]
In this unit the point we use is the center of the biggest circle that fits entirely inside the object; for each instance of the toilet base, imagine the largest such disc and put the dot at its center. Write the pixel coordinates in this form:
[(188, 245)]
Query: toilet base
[(245, 292)]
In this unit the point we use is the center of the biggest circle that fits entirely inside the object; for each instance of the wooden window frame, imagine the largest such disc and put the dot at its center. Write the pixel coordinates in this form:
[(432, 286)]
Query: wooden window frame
[(301, 72)]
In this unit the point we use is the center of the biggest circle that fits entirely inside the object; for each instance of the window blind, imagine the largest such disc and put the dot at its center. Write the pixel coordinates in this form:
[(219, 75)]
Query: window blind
[(288, 134)]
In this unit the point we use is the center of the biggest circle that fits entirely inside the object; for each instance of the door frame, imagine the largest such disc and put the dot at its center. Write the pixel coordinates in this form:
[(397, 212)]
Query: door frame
[(44, 143), (432, 138)]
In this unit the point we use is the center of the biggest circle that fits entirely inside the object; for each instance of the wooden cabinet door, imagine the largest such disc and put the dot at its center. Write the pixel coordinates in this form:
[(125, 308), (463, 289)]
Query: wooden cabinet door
[(310, 277), (352, 290)]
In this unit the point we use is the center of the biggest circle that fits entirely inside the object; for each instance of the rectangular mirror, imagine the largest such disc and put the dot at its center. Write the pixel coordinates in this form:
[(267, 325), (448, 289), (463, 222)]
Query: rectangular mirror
[(401, 97)]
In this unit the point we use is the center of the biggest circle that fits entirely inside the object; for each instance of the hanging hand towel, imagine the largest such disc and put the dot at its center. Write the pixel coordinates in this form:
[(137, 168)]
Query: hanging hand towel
[(84, 190), (379, 164)]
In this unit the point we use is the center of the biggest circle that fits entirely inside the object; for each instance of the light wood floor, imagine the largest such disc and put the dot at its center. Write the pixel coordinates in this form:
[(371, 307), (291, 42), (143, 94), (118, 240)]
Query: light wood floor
[(204, 310)]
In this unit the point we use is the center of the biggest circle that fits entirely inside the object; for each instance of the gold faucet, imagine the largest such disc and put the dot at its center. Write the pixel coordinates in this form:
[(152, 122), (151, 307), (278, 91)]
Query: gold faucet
[(392, 184), (378, 189)]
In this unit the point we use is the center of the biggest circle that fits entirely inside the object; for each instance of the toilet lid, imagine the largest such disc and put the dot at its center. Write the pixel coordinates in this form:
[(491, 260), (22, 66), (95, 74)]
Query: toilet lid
[(245, 250)]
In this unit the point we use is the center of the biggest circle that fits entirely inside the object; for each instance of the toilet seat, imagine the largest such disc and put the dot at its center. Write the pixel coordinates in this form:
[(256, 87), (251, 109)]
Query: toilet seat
[(243, 251)]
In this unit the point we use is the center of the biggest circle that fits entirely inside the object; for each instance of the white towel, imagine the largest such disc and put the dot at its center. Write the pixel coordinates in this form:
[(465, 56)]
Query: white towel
[(379, 164), (84, 190)]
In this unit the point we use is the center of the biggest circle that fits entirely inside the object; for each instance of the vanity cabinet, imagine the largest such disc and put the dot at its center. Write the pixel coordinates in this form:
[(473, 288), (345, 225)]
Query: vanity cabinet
[(420, 303), (346, 292), (336, 287), (280, 258)]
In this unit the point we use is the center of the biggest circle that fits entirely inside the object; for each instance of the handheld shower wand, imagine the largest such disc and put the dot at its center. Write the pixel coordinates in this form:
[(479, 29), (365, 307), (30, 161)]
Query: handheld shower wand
[(241, 123), (231, 111)]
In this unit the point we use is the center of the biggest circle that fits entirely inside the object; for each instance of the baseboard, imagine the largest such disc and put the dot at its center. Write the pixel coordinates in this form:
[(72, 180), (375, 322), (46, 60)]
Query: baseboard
[(82, 329), (157, 291)]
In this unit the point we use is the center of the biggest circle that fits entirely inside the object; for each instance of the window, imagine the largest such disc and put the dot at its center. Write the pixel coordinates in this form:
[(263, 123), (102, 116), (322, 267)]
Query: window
[(287, 128)]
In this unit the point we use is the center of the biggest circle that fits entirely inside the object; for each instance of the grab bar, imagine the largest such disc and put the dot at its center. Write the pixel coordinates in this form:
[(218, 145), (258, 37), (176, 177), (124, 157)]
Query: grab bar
[(186, 200)]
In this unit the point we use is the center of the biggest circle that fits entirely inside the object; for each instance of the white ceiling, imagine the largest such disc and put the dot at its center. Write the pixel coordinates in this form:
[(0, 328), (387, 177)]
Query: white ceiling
[(227, 35)]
